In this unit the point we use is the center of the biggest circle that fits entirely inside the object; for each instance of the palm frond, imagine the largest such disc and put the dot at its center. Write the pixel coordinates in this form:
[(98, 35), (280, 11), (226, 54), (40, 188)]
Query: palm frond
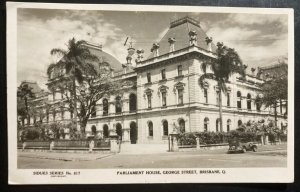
[(58, 51)]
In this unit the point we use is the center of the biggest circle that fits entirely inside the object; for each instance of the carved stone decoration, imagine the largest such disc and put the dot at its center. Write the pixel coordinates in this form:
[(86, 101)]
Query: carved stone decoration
[(154, 49), (208, 41), (172, 41), (140, 55), (193, 38)]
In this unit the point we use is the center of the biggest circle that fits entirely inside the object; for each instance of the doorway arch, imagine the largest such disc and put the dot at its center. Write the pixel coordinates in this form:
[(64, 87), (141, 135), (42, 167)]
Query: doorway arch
[(133, 132), (119, 130)]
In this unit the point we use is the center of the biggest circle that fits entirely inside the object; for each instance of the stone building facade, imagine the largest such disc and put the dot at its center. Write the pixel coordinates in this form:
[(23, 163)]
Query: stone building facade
[(168, 94)]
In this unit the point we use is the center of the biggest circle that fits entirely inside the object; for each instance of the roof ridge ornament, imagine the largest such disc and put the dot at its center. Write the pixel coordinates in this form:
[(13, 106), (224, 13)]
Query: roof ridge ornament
[(193, 38)]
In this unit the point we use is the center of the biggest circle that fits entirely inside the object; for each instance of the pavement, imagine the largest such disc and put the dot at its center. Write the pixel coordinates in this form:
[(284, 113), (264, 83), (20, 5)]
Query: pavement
[(267, 156), (63, 156)]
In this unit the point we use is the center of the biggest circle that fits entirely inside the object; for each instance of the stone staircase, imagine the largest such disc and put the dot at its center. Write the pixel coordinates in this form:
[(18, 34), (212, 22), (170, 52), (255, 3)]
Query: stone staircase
[(128, 148)]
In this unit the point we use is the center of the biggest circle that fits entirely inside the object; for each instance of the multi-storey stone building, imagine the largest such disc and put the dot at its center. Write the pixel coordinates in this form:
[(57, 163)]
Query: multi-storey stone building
[(168, 94)]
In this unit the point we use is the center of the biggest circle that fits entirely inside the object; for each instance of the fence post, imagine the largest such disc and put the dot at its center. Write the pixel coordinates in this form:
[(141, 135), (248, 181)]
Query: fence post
[(198, 143), (91, 145), (51, 145), (114, 147), (175, 143), (267, 140), (23, 145)]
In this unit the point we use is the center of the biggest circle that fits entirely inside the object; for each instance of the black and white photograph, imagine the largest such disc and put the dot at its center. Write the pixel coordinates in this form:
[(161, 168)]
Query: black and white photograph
[(149, 94)]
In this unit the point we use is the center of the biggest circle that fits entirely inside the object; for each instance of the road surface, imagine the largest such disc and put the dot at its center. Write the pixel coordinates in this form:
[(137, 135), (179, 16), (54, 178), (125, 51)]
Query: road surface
[(267, 156)]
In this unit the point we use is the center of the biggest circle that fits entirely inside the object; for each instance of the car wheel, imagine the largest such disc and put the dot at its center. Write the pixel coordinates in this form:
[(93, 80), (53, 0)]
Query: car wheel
[(244, 150), (254, 148)]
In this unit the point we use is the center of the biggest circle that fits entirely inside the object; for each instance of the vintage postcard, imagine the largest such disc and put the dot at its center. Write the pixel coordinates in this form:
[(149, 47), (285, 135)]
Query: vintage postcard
[(149, 94)]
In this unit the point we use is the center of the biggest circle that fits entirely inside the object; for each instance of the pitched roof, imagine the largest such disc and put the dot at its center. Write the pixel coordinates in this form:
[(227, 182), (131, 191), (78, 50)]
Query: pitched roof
[(179, 30)]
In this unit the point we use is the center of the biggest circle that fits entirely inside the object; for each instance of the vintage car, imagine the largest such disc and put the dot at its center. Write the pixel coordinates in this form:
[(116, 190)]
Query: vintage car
[(241, 147)]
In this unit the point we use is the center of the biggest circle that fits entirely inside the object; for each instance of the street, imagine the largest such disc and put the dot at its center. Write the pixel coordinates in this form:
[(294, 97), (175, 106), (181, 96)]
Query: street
[(266, 156)]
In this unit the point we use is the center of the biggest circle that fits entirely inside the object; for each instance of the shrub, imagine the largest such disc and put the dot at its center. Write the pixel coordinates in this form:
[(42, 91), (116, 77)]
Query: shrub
[(31, 134), (187, 139)]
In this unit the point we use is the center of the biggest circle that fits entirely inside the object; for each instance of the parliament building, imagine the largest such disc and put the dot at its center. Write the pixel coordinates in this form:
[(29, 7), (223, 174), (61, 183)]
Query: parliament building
[(167, 92)]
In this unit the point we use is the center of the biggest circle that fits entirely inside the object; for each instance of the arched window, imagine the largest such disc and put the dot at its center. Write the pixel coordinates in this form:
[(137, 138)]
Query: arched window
[(105, 107), (119, 130), (94, 130), (248, 101), (182, 125), (118, 104), (240, 123), (239, 100), (132, 102), (206, 123), (218, 125), (150, 129), (165, 128), (228, 125), (105, 131)]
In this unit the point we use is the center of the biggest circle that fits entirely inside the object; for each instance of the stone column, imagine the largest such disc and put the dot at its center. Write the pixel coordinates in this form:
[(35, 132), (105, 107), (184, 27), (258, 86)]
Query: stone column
[(126, 135)]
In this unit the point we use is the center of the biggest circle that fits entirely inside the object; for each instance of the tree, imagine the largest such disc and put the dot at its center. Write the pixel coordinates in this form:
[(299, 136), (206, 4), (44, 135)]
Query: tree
[(24, 94), (274, 91), (227, 62), (77, 62), (93, 83)]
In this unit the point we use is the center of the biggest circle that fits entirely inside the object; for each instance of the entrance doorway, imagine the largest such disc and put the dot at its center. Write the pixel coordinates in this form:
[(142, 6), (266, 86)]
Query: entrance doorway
[(119, 130), (133, 133)]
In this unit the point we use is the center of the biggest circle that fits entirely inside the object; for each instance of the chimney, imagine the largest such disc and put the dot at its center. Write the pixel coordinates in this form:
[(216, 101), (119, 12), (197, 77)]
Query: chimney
[(208, 41), (172, 41), (155, 49), (140, 56), (193, 38)]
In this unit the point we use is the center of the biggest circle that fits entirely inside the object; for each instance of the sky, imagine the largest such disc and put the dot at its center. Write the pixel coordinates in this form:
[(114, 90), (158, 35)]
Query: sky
[(260, 39)]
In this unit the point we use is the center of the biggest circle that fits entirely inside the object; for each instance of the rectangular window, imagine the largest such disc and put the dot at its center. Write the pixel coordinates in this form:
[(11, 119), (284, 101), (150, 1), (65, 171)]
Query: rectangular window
[(62, 94), (179, 69), (149, 101), (239, 104), (228, 100), (164, 98), (163, 74), (180, 96), (149, 77), (205, 96), (53, 95)]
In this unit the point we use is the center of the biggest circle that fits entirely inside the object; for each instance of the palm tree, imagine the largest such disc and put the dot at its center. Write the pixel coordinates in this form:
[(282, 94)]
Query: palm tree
[(77, 61), (227, 62)]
